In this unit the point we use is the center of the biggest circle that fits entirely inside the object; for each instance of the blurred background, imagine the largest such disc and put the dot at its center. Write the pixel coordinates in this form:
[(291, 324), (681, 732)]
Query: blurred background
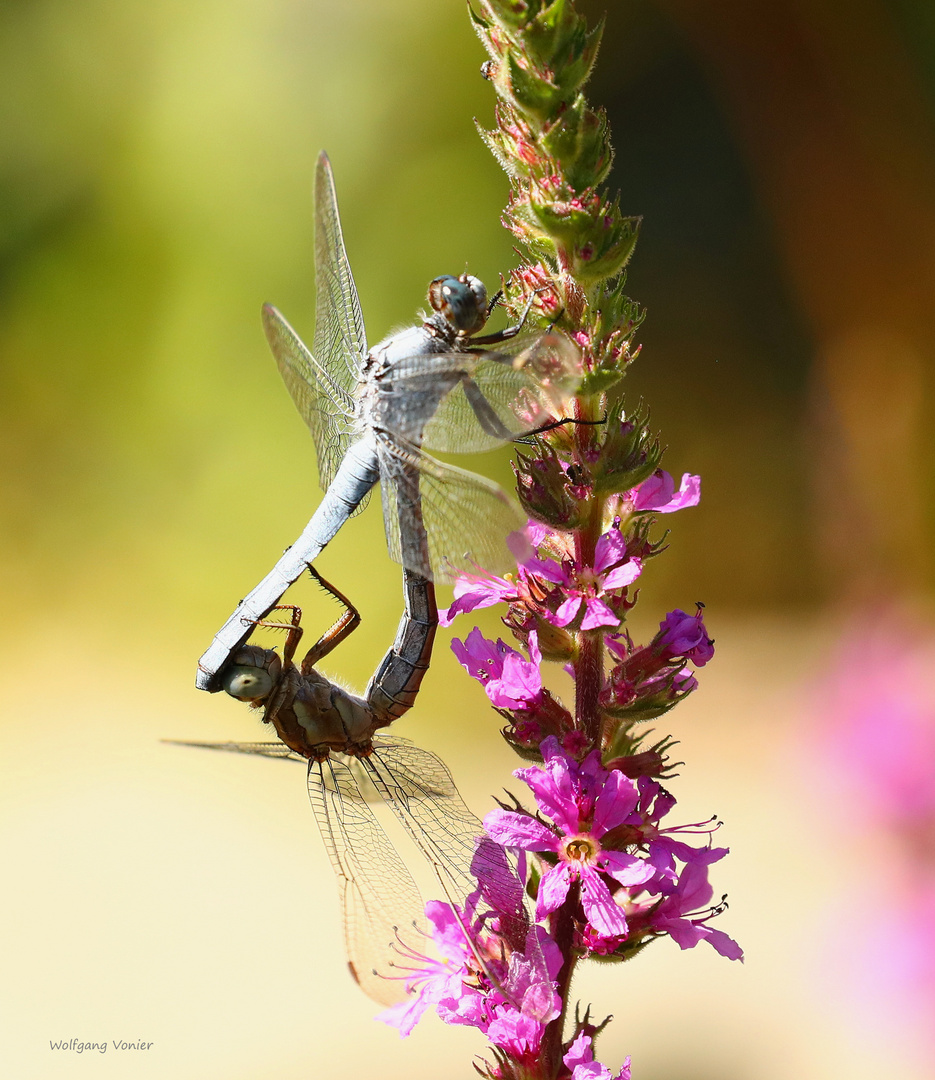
[(155, 188)]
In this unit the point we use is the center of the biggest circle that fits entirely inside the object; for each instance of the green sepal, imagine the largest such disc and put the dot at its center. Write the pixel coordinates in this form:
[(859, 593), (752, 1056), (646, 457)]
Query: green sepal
[(611, 258), (579, 140), (616, 316), (559, 37), (626, 952), (639, 712), (599, 382), (613, 483), (494, 140), (566, 223), (629, 453), (515, 13), (477, 19), (531, 92)]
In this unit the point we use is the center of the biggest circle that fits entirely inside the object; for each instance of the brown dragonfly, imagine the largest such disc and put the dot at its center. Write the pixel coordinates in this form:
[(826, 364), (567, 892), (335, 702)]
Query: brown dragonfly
[(335, 732)]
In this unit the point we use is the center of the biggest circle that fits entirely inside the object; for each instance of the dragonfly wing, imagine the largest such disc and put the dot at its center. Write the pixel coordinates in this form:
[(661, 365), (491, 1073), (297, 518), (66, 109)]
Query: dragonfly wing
[(504, 396), (418, 787), (340, 341), (466, 516), (324, 403), (380, 904), (259, 749)]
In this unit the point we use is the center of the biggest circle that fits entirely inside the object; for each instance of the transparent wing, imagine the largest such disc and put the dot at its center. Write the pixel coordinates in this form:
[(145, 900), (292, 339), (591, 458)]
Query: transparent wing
[(381, 906), (324, 403), (258, 749), (467, 517), (513, 392), (418, 787), (340, 341)]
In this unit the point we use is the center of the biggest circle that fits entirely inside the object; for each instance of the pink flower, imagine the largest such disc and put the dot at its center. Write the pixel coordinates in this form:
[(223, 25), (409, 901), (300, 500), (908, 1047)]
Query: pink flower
[(496, 973), (580, 1059), (685, 636), (510, 680), (613, 570), (556, 587), (658, 493), (433, 982), (681, 914), (585, 802)]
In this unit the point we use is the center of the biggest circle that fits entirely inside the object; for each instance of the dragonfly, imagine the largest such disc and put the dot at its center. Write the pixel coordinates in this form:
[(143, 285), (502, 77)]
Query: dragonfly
[(334, 732), (371, 413)]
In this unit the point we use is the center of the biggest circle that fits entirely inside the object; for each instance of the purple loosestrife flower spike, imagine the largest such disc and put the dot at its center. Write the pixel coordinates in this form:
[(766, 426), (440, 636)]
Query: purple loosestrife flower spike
[(607, 874)]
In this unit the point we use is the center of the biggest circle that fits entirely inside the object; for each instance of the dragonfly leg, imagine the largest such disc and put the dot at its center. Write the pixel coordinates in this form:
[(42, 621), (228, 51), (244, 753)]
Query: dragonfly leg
[(292, 628), (558, 423), (334, 635), (510, 331)]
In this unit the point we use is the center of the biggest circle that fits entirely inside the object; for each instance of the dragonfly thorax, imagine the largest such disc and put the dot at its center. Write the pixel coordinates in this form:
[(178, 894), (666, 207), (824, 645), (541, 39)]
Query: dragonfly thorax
[(316, 716), (462, 301)]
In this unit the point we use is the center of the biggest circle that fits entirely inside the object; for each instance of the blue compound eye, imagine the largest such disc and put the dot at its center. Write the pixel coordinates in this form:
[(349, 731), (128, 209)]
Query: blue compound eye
[(461, 300)]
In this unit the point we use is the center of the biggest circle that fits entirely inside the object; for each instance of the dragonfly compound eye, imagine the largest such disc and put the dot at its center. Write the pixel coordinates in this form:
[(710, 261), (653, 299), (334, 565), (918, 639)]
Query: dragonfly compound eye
[(247, 683), (462, 300)]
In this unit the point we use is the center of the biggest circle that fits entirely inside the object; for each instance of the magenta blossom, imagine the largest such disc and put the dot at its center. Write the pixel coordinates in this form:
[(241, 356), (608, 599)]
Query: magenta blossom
[(658, 493), (585, 802), (683, 914), (684, 636), (566, 585), (497, 971), (613, 570), (437, 982), (510, 680), (580, 1059)]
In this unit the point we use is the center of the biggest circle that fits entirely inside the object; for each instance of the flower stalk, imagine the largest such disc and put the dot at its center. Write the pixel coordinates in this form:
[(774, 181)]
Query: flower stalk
[(606, 876)]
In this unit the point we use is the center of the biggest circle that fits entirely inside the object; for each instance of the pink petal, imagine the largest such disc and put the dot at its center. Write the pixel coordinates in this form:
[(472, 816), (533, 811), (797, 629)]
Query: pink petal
[(603, 914), (591, 1070), (523, 543), (658, 493), (615, 802), (580, 1052), (548, 569), (536, 532), (553, 888), (468, 601), (567, 612), (725, 945), (597, 613), (622, 576), (627, 869), (694, 889), (405, 1015), (511, 829), (610, 548), (683, 932)]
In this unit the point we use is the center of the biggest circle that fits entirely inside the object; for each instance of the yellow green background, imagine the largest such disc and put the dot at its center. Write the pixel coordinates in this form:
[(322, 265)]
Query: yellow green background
[(155, 188)]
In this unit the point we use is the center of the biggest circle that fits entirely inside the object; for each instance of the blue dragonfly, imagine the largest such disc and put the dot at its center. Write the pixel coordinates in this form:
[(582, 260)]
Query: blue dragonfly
[(371, 413)]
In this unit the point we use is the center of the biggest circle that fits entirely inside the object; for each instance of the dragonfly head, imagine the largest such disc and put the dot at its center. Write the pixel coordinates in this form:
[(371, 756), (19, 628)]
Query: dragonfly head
[(461, 300), (252, 674)]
